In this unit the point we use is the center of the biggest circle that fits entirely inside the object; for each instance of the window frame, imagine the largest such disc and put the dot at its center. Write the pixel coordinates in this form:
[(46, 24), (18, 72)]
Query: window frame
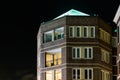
[(87, 48), (76, 54), (86, 32), (70, 31)]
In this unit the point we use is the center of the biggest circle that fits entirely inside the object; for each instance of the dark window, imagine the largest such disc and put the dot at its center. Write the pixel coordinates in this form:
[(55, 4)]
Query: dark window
[(85, 50), (92, 32), (74, 52), (78, 52), (90, 74), (78, 74), (90, 53), (86, 76), (85, 32), (74, 73), (71, 31), (78, 32)]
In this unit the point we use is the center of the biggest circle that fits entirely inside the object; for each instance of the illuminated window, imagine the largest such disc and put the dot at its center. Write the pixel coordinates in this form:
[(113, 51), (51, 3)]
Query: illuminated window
[(58, 74), (48, 36), (53, 57), (59, 33), (53, 75)]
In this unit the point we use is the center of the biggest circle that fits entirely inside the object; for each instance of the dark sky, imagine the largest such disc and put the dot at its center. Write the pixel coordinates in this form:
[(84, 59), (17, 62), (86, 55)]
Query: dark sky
[(20, 21)]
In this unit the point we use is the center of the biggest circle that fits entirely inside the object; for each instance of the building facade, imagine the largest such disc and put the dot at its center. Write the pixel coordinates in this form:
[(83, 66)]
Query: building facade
[(74, 46), (117, 21)]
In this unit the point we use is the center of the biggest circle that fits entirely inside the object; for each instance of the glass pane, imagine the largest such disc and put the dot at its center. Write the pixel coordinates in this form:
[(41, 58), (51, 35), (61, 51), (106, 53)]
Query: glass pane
[(49, 75), (74, 73), (48, 36), (85, 32), (86, 76), (78, 31), (58, 75), (74, 52), (59, 33), (85, 51), (90, 74), (78, 52), (92, 32), (90, 53), (78, 74), (71, 31)]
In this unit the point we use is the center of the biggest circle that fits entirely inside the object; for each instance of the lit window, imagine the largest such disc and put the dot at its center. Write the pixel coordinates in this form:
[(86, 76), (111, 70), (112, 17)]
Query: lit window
[(53, 57), (58, 74), (59, 33), (48, 36), (49, 75)]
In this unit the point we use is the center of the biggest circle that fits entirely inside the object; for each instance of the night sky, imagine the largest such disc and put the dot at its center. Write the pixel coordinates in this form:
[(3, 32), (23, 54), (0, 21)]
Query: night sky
[(20, 21)]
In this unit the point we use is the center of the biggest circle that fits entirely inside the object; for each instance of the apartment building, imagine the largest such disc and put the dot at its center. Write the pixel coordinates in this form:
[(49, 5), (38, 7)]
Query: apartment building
[(75, 46), (117, 21)]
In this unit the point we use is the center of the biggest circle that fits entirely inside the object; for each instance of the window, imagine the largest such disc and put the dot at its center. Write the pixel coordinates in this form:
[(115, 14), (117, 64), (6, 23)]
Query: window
[(85, 31), (88, 53), (76, 74), (105, 75), (58, 74), (53, 75), (53, 57), (48, 36), (76, 52), (82, 52), (71, 31), (105, 56), (88, 74), (92, 31), (78, 31), (105, 36), (49, 75), (114, 41), (59, 33)]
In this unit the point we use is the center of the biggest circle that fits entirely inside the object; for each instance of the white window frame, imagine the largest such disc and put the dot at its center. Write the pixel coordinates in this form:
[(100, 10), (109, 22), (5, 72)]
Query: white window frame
[(79, 32), (76, 57), (72, 31), (76, 73), (93, 31), (88, 52), (86, 32), (88, 73)]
